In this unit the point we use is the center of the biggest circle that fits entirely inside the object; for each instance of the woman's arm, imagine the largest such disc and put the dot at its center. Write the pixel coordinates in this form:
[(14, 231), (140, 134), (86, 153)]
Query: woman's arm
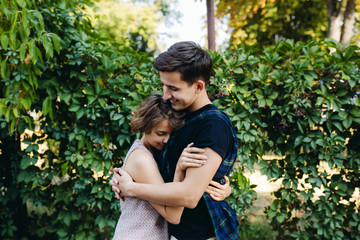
[(190, 157), (186, 160), (143, 169), (186, 193)]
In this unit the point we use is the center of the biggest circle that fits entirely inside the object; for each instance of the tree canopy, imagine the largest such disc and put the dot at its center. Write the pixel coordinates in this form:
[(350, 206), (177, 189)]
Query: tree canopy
[(268, 21), (134, 22)]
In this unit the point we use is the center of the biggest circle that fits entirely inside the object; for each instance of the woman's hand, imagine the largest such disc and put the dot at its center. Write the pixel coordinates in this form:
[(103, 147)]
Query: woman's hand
[(191, 157), (217, 191)]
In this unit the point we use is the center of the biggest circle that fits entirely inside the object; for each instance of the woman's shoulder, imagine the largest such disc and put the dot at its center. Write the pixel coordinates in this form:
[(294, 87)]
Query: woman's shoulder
[(140, 155)]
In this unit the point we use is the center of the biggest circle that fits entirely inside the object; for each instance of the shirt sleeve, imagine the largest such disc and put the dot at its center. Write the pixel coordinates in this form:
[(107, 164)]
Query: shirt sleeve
[(215, 134)]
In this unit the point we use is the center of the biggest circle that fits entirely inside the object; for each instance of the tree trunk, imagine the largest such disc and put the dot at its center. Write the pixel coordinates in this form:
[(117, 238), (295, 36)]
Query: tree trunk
[(210, 24), (349, 21), (335, 15)]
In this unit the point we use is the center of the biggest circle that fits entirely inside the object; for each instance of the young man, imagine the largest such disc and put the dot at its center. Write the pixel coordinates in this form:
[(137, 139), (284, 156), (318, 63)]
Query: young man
[(185, 70)]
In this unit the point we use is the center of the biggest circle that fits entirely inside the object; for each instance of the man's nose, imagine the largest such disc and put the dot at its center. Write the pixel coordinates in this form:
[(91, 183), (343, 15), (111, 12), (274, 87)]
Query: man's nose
[(167, 94)]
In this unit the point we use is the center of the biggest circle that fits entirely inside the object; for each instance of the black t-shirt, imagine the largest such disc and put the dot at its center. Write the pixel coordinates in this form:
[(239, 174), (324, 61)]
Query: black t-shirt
[(212, 132)]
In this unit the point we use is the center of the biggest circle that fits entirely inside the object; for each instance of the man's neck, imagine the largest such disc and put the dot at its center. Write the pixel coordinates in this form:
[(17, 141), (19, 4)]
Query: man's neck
[(200, 102)]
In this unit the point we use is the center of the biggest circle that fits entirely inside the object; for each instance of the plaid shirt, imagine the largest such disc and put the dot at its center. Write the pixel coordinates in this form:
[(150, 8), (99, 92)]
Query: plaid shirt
[(223, 217)]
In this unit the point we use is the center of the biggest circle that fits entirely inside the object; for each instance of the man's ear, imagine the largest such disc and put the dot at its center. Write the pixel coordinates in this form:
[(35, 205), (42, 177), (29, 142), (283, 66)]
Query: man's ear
[(200, 85)]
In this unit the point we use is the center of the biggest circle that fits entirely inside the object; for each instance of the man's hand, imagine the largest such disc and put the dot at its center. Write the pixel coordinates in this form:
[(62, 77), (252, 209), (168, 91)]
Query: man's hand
[(120, 183)]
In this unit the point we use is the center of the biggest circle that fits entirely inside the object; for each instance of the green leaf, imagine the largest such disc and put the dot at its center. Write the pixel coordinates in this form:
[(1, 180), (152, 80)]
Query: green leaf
[(102, 102), (74, 107), (56, 41), (41, 20), (47, 46), (117, 117), (337, 125), (4, 8), (347, 122), (83, 77), (21, 3), (3, 68), (14, 23), (259, 93), (280, 217), (4, 41), (269, 102), (357, 101), (309, 77), (298, 141), (262, 102), (47, 105), (62, 233), (23, 51), (66, 97), (106, 61), (91, 99), (25, 162), (80, 113), (67, 219), (343, 115), (274, 95), (26, 102), (300, 127), (342, 92), (25, 22), (32, 51), (238, 70)]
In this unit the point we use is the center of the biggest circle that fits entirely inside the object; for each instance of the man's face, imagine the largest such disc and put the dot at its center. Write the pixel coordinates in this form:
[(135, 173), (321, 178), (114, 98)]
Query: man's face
[(181, 95)]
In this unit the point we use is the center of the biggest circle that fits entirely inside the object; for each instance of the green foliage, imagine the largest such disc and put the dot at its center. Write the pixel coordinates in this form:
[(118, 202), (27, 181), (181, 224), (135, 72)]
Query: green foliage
[(266, 22), (134, 26), (300, 102), (76, 93)]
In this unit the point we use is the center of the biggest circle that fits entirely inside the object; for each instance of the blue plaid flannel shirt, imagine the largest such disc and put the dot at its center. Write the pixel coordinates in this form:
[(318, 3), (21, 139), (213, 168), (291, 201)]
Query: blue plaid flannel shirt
[(224, 219)]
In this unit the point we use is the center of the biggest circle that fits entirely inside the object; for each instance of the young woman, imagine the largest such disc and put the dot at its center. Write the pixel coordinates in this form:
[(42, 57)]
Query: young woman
[(141, 219)]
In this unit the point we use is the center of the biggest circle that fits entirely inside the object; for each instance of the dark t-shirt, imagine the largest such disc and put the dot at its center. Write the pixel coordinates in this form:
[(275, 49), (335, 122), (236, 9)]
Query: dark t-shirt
[(212, 132)]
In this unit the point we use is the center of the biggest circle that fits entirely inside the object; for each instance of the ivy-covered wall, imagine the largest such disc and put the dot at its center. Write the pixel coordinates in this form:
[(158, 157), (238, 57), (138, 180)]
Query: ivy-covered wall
[(66, 100)]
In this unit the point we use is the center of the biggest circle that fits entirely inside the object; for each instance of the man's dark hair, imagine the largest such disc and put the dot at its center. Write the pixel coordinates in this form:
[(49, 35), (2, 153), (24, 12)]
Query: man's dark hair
[(187, 58)]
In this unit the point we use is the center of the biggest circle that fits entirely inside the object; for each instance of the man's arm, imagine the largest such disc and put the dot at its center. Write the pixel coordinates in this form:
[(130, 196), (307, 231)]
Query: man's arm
[(186, 193)]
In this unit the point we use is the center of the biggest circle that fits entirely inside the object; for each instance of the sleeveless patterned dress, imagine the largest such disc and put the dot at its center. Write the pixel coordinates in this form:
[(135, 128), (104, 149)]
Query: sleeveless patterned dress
[(138, 219)]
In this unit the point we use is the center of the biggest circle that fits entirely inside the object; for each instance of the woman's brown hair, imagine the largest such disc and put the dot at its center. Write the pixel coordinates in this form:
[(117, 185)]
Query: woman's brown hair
[(153, 110)]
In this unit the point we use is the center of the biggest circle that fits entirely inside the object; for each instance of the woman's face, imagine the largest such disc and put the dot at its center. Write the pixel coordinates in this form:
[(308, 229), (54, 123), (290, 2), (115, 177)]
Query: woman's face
[(159, 135)]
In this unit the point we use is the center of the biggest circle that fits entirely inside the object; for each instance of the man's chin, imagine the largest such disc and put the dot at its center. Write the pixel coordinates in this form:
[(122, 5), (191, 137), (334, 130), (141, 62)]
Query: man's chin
[(176, 106)]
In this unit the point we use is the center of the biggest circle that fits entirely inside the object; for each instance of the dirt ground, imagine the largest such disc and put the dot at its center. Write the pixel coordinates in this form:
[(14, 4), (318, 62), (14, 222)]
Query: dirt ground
[(264, 197)]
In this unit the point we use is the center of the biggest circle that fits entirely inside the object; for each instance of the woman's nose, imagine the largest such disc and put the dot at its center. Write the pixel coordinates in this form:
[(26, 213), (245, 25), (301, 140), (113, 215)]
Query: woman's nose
[(166, 139)]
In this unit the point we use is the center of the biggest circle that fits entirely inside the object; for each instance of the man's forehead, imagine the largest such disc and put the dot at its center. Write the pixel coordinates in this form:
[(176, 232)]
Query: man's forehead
[(172, 82)]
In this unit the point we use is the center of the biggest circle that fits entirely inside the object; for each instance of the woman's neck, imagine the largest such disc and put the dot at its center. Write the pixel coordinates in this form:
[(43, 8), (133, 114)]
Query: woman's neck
[(146, 144)]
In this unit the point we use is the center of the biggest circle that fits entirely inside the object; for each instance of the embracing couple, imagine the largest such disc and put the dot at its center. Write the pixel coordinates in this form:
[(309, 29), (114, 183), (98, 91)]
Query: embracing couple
[(181, 162)]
